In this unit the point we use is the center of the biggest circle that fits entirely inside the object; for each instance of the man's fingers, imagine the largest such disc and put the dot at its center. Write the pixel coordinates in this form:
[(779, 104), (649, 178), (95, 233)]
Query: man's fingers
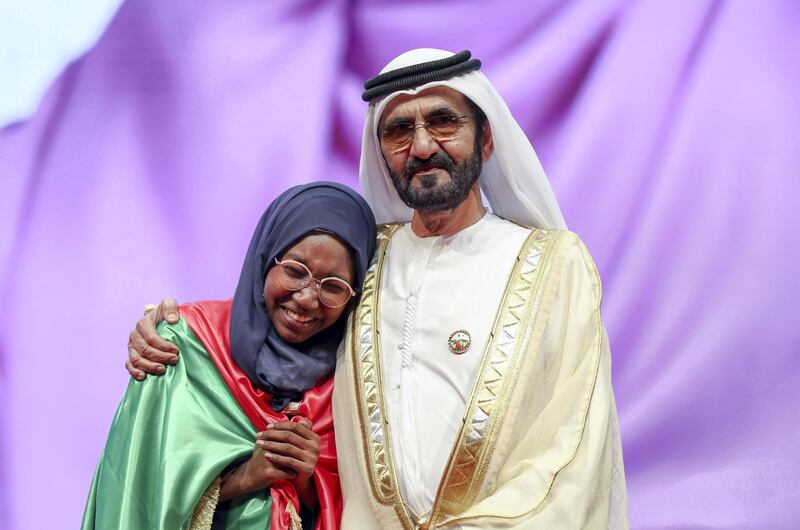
[(145, 365), (145, 334), (168, 310), (136, 374), (149, 352)]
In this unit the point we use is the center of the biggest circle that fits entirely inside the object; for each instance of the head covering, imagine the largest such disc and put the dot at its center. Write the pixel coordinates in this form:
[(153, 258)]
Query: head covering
[(287, 370), (418, 74), (512, 180)]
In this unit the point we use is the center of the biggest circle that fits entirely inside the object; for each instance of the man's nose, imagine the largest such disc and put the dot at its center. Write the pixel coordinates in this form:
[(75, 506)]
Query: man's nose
[(423, 145), (307, 297)]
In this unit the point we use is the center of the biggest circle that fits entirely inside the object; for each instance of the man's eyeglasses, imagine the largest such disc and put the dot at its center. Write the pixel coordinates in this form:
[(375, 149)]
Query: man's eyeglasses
[(332, 292), (398, 136)]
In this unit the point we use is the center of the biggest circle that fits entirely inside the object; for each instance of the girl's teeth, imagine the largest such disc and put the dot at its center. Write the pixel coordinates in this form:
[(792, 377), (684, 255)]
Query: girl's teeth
[(298, 317)]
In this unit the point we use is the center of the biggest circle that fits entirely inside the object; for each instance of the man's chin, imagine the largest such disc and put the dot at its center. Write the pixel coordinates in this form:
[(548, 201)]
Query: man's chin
[(430, 179), (431, 201)]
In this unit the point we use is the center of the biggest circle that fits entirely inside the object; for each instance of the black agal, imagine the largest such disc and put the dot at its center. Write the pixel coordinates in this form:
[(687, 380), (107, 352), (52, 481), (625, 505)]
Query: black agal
[(419, 74)]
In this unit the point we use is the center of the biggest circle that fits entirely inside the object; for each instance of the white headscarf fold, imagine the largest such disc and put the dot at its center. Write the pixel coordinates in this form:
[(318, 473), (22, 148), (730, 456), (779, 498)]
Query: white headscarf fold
[(512, 180)]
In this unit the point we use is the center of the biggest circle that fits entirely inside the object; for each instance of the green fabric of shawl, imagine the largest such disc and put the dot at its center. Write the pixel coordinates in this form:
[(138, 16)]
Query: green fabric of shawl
[(171, 437)]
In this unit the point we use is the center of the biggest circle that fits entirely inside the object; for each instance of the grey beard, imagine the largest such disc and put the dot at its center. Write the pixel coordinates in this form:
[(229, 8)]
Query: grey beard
[(430, 195)]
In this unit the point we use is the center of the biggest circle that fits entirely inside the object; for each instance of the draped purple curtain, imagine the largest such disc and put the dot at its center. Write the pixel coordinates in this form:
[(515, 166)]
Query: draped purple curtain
[(670, 132)]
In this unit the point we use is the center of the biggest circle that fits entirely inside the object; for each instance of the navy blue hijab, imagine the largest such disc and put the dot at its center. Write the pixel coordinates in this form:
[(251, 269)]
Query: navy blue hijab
[(288, 370)]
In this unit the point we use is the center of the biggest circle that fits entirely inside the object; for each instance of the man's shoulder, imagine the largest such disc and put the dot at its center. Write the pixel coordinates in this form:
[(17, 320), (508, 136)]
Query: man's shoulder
[(573, 256), (566, 243), (563, 242), (561, 235)]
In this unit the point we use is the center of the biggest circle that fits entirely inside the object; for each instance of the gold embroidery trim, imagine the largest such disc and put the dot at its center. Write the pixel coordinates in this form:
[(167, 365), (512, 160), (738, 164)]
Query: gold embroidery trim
[(483, 418), (203, 514), (295, 523), (466, 466), (584, 414), (368, 384)]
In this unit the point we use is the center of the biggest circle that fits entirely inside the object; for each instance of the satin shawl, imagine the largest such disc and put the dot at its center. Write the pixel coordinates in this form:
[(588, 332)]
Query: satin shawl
[(208, 321), (286, 370)]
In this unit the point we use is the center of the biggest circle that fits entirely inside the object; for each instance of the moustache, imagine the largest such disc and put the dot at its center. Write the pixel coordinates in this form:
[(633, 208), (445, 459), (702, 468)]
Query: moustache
[(439, 160)]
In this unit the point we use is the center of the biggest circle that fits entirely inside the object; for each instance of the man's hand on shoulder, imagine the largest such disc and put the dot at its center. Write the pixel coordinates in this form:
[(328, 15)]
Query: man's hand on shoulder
[(148, 352)]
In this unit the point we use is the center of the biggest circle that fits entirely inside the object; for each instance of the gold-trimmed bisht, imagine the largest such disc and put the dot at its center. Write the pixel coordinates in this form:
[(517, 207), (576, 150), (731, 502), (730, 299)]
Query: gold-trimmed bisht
[(483, 417)]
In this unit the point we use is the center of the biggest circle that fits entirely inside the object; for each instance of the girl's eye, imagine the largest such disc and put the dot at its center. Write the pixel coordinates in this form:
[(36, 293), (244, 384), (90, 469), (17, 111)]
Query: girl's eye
[(294, 271), (333, 287)]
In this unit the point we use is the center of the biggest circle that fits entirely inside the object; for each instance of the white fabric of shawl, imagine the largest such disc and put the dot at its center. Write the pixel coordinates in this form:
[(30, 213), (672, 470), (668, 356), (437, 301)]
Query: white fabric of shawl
[(512, 180)]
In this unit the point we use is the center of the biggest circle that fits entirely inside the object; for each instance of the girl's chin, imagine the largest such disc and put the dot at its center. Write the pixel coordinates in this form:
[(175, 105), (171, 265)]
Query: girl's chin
[(294, 336)]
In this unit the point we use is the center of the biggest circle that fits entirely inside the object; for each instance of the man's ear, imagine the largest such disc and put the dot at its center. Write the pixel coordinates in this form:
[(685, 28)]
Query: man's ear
[(487, 143)]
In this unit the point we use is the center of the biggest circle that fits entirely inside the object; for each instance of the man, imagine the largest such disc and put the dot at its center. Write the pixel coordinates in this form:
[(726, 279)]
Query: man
[(473, 389)]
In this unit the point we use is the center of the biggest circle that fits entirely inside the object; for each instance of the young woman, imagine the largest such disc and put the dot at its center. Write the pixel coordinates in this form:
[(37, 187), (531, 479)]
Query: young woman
[(239, 434)]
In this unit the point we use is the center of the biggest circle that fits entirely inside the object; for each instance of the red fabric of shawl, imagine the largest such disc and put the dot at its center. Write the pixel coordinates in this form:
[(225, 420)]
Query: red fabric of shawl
[(210, 321)]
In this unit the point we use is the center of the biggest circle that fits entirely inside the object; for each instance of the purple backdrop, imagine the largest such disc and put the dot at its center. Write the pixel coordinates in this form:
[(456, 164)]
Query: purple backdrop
[(671, 135)]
